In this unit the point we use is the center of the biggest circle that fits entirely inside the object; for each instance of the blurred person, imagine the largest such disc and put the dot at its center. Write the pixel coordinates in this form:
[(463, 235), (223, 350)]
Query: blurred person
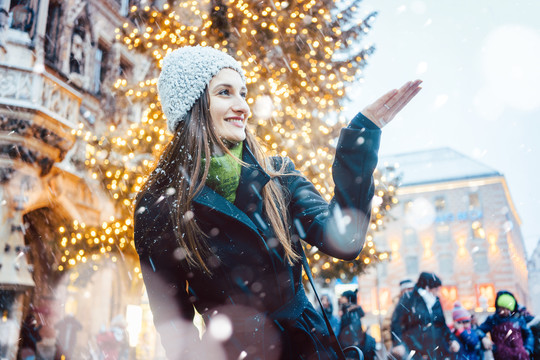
[(328, 309), (405, 286), (472, 340), (419, 326), (30, 335), (512, 338), (534, 324), (351, 332), (114, 343), (66, 335), (218, 223)]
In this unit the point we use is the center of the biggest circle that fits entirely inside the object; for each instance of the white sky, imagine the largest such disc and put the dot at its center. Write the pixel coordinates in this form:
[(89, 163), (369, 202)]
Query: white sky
[(480, 62)]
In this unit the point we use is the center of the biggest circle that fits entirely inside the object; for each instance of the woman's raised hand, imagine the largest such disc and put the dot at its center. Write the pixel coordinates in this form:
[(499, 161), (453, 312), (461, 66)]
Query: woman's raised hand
[(384, 109)]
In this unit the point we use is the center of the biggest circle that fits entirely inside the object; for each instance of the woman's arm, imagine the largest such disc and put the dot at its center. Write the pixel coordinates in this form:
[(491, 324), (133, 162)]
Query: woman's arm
[(339, 228)]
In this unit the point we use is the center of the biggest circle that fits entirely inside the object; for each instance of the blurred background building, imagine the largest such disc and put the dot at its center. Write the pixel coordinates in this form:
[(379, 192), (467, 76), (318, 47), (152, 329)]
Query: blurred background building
[(456, 218)]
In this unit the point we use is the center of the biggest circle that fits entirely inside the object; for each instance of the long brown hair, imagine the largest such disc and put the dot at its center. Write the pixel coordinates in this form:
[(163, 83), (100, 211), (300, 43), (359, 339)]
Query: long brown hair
[(180, 166)]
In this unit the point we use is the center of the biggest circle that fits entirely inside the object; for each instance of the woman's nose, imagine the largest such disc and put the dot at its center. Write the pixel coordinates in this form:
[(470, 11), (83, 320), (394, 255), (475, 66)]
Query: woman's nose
[(241, 105)]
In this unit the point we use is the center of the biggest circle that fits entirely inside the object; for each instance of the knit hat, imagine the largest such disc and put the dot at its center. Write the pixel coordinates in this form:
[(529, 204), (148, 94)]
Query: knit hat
[(185, 73), (350, 295), (429, 280), (459, 313), (405, 284), (506, 300)]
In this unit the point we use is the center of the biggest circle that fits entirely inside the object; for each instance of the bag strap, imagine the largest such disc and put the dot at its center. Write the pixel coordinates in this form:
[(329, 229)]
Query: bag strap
[(333, 338)]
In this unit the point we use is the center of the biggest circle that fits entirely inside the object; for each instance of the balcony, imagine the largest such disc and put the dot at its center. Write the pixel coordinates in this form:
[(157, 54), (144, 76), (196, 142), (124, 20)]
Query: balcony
[(37, 113)]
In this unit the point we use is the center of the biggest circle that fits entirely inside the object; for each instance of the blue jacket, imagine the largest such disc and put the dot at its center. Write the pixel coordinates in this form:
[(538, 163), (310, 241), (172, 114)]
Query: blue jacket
[(470, 341), (258, 292)]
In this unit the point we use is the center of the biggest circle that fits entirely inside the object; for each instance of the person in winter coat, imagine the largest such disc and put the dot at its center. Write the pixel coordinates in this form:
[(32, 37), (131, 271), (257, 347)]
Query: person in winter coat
[(351, 332), (328, 309), (418, 323), (533, 322), (405, 286), (511, 336), (471, 340), (30, 335), (218, 225)]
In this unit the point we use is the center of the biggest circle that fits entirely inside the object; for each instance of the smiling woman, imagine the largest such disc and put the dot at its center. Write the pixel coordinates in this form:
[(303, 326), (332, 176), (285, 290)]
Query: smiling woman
[(228, 107), (218, 224)]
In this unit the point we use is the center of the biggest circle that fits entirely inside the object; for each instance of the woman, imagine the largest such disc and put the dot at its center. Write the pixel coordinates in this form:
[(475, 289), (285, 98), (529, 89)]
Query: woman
[(418, 324), (217, 225)]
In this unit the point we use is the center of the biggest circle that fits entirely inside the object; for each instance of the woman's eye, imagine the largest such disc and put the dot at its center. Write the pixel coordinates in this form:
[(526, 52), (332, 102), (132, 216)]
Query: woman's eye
[(244, 95), (224, 92)]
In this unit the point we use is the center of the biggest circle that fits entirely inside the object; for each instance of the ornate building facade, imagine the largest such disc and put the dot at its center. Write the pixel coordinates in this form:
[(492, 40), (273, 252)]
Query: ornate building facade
[(58, 61)]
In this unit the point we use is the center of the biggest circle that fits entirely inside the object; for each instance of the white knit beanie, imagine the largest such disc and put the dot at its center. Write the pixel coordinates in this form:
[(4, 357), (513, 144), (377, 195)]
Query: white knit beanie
[(186, 72)]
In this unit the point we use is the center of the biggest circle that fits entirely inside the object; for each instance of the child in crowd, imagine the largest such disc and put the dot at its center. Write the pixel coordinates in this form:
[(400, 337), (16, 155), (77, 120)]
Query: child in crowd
[(510, 334), (470, 339)]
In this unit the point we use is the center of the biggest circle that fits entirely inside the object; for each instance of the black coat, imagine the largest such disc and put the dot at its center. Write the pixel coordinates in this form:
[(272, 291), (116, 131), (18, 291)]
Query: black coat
[(351, 332), (259, 293), (417, 329)]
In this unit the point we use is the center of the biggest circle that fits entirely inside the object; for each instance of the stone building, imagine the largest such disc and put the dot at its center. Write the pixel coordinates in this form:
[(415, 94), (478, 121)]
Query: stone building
[(456, 218), (58, 61)]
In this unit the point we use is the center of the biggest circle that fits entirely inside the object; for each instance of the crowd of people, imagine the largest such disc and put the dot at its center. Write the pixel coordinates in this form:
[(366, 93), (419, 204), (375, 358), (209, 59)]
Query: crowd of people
[(416, 327)]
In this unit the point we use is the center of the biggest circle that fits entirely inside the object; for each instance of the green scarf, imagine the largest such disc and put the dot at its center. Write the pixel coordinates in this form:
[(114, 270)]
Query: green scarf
[(224, 173)]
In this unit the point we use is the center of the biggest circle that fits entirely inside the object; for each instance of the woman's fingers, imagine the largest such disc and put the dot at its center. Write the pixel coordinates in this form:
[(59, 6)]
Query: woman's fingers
[(404, 101), (380, 102), (384, 109), (404, 93)]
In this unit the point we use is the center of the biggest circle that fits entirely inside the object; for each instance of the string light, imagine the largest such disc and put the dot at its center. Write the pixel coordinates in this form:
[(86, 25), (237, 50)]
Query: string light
[(297, 56)]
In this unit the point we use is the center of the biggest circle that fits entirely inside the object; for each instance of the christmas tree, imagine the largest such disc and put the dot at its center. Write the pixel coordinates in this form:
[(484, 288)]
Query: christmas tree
[(299, 56)]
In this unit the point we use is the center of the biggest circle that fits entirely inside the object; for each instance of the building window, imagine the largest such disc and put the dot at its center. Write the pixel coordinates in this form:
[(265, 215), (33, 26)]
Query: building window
[(381, 242), (440, 204), (100, 67), (446, 264), (410, 238), (52, 43), (480, 262), (474, 201), (411, 265), (407, 206), (125, 69), (21, 15), (383, 269), (124, 7), (442, 234)]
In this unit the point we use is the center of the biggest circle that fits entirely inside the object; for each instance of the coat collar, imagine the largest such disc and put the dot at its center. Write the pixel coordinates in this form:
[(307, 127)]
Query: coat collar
[(248, 196)]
